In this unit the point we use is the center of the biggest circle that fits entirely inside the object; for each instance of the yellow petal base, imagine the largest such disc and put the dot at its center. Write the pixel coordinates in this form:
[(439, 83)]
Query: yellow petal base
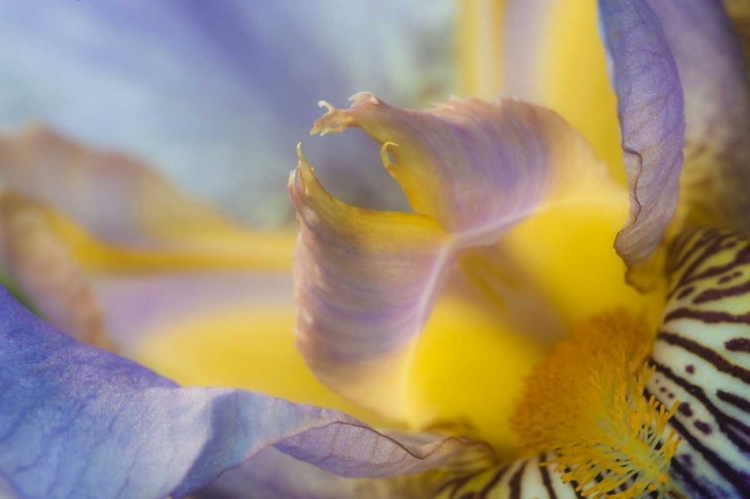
[(241, 348), (551, 272)]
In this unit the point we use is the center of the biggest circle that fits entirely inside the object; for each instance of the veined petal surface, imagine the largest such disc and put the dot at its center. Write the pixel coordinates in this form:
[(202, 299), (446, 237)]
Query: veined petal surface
[(650, 108), (714, 79), (81, 422), (366, 281)]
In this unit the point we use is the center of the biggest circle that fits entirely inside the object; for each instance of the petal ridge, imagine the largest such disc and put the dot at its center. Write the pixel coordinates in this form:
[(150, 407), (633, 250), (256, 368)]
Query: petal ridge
[(644, 75)]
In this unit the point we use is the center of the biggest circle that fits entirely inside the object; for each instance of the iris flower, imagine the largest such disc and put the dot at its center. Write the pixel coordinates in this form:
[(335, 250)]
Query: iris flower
[(503, 262)]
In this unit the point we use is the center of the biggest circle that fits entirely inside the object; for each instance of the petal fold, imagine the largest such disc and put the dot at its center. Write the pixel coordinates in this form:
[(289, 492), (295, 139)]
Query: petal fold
[(650, 108), (366, 281), (81, 422)]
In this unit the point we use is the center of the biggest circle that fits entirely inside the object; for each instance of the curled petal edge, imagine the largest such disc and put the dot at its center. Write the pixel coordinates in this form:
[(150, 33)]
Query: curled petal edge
[(365, 281)]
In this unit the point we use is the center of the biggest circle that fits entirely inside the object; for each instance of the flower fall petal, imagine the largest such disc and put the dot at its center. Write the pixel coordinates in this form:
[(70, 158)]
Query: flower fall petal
[(77, 421), (702, 359)]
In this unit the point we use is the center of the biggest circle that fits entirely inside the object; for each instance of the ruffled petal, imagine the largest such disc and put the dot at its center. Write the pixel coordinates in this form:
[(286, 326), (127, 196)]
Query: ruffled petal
[(650, 109), (81, 422), (224, 89), (713, 74), (366, 280), (454, 160)]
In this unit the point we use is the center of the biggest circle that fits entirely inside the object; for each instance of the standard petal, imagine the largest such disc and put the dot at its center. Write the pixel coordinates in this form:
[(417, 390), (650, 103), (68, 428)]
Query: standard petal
[(714, 79), (215, 93), (650, 100), (366, 280), (81, 422)]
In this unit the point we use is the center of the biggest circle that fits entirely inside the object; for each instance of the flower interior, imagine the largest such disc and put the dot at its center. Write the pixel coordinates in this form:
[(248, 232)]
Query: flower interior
[(585, 402)]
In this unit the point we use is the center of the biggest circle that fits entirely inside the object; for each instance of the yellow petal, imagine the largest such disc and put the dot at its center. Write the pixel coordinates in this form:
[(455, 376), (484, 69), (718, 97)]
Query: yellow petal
[(251, 347), (575, 81)]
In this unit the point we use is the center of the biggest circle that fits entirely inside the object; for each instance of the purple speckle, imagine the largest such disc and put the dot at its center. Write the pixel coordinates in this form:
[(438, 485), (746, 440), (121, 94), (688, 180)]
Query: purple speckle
[(687, 460), (685, 409), (704, 427), (690, 369)]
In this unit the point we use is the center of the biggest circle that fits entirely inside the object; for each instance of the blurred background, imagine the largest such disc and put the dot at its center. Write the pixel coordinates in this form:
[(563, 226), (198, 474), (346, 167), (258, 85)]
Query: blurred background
[(216, 94)]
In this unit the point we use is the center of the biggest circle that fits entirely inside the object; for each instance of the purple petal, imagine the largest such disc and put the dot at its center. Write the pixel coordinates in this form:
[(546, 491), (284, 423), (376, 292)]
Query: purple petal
[(366, 281), (713, 74), (81, 422), (272, 474), (216, 93), (646, 80)]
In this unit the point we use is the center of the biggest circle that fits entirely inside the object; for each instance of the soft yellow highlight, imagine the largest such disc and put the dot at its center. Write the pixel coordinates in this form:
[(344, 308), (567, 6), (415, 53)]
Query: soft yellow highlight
[(585, 402), (565, 255), (221, 248), (575, 82), (247, 348), (468, 372), (479, 51)]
